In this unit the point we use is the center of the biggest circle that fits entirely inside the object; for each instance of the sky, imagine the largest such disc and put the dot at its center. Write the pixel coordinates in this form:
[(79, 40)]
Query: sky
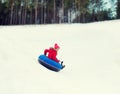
[(111, 6), (108, 3)]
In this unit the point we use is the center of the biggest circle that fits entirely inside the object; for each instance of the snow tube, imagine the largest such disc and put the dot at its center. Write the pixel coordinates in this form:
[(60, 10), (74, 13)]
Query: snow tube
[(48, 63)]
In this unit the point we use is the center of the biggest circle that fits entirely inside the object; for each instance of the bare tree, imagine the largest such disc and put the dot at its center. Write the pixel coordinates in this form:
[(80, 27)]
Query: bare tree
[(36, 11), (62, 11), (54, 11), (11, 9)]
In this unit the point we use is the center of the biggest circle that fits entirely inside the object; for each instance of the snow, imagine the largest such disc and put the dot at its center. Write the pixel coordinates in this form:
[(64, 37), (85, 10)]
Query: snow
[(91, 53)]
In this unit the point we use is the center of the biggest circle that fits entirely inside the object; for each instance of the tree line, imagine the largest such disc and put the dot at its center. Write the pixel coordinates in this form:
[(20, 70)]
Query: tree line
[(16, 12)]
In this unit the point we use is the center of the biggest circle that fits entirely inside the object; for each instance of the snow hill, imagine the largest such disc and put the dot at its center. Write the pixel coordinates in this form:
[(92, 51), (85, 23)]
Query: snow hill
[(91, 53)]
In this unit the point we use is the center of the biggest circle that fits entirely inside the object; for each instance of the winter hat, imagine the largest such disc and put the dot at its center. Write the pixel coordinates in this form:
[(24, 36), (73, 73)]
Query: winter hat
[(56, 46)]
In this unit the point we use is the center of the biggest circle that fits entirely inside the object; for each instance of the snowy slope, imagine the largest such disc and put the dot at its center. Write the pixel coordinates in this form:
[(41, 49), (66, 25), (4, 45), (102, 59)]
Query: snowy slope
[(91, 53)]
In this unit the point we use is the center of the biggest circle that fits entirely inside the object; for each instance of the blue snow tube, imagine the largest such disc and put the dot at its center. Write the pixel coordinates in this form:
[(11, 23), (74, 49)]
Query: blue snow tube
[(48, 63)]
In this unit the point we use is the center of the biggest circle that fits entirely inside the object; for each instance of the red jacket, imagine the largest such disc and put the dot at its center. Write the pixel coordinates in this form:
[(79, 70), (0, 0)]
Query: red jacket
[(52, 53)]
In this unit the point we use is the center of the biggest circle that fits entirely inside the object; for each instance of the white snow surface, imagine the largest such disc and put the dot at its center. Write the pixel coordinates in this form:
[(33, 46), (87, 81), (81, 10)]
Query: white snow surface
[(91, 53)]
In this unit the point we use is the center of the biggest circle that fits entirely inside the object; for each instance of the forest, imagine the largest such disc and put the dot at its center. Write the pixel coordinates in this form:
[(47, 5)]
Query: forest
[(19, 12)]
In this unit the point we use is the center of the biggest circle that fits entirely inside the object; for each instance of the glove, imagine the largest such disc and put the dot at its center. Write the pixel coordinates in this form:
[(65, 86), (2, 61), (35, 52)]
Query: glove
[(61, 62)]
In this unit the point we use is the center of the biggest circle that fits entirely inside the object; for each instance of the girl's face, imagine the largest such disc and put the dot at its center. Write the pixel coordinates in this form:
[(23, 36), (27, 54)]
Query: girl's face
[(57, 49)]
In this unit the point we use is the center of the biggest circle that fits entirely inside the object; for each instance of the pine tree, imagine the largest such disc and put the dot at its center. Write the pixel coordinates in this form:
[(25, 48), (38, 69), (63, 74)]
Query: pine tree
[(118, 9)]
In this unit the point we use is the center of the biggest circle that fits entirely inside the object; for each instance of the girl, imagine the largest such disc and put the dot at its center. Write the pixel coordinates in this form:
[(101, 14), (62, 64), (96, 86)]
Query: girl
[(52, 53)]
